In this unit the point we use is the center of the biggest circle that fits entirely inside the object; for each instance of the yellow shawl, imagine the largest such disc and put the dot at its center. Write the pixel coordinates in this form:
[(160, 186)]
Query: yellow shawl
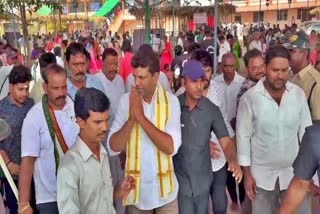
[(164, 161)]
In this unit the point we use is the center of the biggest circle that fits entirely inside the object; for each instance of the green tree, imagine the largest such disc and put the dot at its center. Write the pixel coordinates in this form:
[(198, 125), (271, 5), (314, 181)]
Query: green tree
[(24, 7), (146, 5)]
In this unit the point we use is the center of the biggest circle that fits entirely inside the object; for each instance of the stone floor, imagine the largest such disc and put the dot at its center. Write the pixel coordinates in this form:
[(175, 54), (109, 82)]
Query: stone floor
[(315, 210)]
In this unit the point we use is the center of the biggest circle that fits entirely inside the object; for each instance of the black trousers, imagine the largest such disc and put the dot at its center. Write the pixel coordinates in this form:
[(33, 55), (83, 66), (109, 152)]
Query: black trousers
[(218, 191), (11, 200), (232, 189)]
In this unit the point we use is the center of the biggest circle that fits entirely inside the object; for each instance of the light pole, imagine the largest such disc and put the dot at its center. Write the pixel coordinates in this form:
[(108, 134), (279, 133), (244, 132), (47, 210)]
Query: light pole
[(173, 20), (278, 12), (231, 13), (308, 11), (215, 41), (147, 22), (75, 5), (259, 16)]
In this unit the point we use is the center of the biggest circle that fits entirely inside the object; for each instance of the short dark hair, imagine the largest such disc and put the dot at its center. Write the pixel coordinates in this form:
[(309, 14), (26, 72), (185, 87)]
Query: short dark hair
[(76, 48), (51, 68), (276, 51), (190, 36), (65, 42), (46, 59), (40, 51), (203, 57), (145, 57), (208, 31), (193, 46), (254, 53), (178, 50), (90, 99), (20, 74), (57, 51), (221, 38), (109, 52)]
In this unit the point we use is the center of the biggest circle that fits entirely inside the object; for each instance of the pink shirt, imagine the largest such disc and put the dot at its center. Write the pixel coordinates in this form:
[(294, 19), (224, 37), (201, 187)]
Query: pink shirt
[(313, 56), (125, 65)]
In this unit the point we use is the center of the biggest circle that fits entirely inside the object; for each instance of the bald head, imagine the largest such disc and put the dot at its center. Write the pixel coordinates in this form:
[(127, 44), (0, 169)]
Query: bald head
[(228, 67), (228, 55)]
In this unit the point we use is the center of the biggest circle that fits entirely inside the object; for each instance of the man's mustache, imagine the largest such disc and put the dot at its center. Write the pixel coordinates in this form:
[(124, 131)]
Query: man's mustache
[(61, 97), (80, 74)]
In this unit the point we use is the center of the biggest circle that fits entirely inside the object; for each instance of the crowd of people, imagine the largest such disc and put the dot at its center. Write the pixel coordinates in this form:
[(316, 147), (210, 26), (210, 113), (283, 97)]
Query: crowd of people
[(97, 127)]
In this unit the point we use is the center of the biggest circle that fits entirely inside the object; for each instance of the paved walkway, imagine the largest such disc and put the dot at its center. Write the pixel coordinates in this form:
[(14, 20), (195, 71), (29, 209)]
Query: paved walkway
[(315, 205)]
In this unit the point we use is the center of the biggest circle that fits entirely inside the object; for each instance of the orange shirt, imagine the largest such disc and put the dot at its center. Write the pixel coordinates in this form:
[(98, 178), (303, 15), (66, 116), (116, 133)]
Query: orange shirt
[(125, 66)]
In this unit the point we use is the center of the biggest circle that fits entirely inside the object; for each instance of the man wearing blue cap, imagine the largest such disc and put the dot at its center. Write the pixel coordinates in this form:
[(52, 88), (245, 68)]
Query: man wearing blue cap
[(199, 116)]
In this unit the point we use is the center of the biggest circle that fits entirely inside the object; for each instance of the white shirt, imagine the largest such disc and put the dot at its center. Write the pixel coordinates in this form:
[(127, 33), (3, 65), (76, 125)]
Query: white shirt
[(268, 40), (231, 93), (255, 45), (65, 36), (216, 96), (84, 184), (35, 71), (149, 187), (114, 90), (60, 61), (4, 80), (155, 43), (180, 42), (21, 42), (163, 80), (239, 29), (224, 48), (108, 39), (36, 142), (268, 134)]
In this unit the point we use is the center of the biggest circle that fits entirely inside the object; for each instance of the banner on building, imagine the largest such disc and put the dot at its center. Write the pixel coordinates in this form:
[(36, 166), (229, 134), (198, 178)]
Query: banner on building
[(200, 18)]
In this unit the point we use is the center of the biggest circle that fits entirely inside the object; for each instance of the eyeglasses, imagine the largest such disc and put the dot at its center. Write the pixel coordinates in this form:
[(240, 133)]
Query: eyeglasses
[(257, 68)]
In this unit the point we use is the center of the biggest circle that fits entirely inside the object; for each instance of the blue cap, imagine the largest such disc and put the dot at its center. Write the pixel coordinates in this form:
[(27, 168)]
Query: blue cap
[(193, 70)]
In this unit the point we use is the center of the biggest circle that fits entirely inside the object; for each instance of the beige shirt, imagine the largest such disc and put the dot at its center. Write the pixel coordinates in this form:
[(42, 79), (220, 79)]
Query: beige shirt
[(84, 184), (305, 79)]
